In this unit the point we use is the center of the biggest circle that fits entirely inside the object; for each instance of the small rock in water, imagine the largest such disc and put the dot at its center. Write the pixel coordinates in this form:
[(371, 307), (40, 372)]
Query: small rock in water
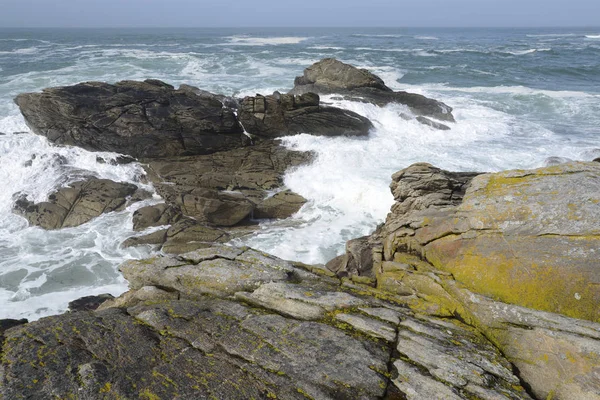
[(550, 161), (89, 303)]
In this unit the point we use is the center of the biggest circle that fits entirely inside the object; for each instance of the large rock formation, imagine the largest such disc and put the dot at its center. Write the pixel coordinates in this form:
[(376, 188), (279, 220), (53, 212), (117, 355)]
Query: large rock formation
[(234, 323), (523, 237), (79, 203), (285, 114), (224, 189), (483, 247), (142, 119), (330, 76)]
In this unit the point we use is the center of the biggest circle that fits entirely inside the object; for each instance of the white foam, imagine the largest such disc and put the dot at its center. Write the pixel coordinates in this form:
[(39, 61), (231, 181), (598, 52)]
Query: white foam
[(554, 35), (55, 262), (326, 48), (377, 36), (427, 38), (264, 41), (347, 185), (592, 36), (523, 52)]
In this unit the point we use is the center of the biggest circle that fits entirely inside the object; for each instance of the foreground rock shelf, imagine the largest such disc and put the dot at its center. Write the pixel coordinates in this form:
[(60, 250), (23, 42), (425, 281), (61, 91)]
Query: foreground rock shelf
[(235, 323)]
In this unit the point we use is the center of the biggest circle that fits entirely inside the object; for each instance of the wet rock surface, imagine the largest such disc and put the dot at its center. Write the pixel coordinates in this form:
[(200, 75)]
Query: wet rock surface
[(330, 76), (279, 115), (218, 194), (78, 203), (141, 119), (236, 323)]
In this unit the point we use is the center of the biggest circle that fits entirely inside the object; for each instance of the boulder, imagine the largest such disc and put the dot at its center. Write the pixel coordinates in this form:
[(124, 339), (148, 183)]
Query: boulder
[(236, 323), (330, 76), (156, 215), (281, 205), (142, 119), (78, 203), (89, 303), (285, 114)]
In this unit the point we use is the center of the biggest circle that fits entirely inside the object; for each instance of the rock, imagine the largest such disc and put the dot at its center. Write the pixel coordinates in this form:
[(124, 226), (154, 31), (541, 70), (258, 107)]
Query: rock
[(309, 337), (142, 119), (76, 204), (535, 231), (558, 357), (155, 238), (188, 235), (369, 326), (433, 124), (157, 215), (225, 188), (6, 324), (89, 303), (285, 114), (219, 208), (358, 259), (281, 205), (330, 76), (524, 237), (227, 101)]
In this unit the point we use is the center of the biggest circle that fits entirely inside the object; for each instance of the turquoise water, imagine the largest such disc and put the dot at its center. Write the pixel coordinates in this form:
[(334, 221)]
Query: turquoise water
[(523, 98)]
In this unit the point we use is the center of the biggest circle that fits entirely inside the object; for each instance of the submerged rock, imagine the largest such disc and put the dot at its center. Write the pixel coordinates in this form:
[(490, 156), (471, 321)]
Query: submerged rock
[(330, 76), (78, 203), (285, 114), (142, 119)]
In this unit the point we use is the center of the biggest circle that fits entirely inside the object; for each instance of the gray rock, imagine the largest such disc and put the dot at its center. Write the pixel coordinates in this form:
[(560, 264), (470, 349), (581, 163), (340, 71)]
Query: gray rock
[(157, 215), (76, 204), (89, 303), (285, 114), (330, 76), (141, 119), (281, 205), (369, 326)]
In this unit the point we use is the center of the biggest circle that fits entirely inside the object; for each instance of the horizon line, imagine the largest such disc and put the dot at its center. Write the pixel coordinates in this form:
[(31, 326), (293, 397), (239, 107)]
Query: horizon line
[(310, 27)]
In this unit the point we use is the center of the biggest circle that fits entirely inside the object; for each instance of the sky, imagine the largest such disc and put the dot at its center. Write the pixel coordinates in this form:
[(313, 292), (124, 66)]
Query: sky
[(302, 13)]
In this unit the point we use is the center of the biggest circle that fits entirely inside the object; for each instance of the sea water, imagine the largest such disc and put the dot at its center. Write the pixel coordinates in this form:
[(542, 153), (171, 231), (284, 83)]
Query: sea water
[(522, 98)]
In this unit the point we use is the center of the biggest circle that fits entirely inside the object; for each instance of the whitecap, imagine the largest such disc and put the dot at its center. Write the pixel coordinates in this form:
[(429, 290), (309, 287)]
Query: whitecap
[(264, 41), (427, 38), (592, 36), (326, 48)]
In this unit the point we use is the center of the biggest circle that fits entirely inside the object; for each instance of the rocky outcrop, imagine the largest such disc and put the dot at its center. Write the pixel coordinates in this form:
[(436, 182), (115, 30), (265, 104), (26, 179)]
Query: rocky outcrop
[(498, 251), (285, 114), (225, 189), (79, 203), (142, 119), (535, 232), (234, 323), (330, 76)]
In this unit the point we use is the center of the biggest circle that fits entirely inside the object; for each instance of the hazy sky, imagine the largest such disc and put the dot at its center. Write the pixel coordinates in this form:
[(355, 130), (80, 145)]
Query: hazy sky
[(253, 13)]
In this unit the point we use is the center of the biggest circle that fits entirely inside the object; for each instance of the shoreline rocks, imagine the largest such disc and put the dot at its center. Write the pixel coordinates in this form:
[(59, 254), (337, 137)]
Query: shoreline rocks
[(330, 76), (141, 119), (465, 245), (79, 203), (269, 327), (279, 115)]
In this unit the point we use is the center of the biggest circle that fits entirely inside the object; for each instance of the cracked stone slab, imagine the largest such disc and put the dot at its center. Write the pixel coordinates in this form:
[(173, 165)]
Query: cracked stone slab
[(457, 356), (370, 326)]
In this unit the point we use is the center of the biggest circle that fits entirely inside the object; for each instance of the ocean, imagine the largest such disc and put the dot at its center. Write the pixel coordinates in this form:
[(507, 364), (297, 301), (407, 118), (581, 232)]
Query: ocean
[(522, 98)]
